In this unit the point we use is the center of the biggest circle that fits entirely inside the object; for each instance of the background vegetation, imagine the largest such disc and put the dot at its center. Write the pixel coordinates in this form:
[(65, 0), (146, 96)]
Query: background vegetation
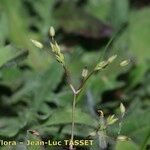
[(33, 91)]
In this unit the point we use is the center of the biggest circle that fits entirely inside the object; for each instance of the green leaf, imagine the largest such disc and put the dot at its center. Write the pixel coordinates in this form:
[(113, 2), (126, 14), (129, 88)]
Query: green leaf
[(78, 130), (119, 12), (126, 145), (48, 82), (44, 9), (140, 32), (63, 116), (136, 75), (135, 40), (40, 85), (3, 29), (7, 53), (136, 124), (98, 8), (9, 127), (61, 99), (17, 22)]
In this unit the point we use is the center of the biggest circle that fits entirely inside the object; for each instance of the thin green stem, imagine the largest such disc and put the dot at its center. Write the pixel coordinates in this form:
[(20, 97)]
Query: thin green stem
[(73, 119), (114, 36)]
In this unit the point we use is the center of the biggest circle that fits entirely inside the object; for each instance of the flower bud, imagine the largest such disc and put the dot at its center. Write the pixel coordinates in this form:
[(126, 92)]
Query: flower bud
[(101, 65), (122, 109), (112, 58), (101, 114), (84, 72), (37, 43), (52, 31), (111, 120), (56, 50), (123, 138), (124, 63)]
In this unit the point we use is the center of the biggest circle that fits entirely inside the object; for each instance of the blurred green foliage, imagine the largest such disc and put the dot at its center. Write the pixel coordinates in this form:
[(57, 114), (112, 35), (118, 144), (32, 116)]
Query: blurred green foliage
[(33, 91)]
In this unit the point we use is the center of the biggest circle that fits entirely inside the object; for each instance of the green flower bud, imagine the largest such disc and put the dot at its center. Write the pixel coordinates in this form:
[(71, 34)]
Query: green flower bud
[(101, 65), (124, 63), (52, 31), (111, 120), (56, 50), (112, 58), (37, 43), (84, 72), (122, 109), (55, 47), (123, 138)]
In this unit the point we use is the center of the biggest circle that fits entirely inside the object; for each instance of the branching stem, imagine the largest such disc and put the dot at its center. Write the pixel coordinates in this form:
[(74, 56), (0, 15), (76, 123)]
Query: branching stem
[(76, 92)]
